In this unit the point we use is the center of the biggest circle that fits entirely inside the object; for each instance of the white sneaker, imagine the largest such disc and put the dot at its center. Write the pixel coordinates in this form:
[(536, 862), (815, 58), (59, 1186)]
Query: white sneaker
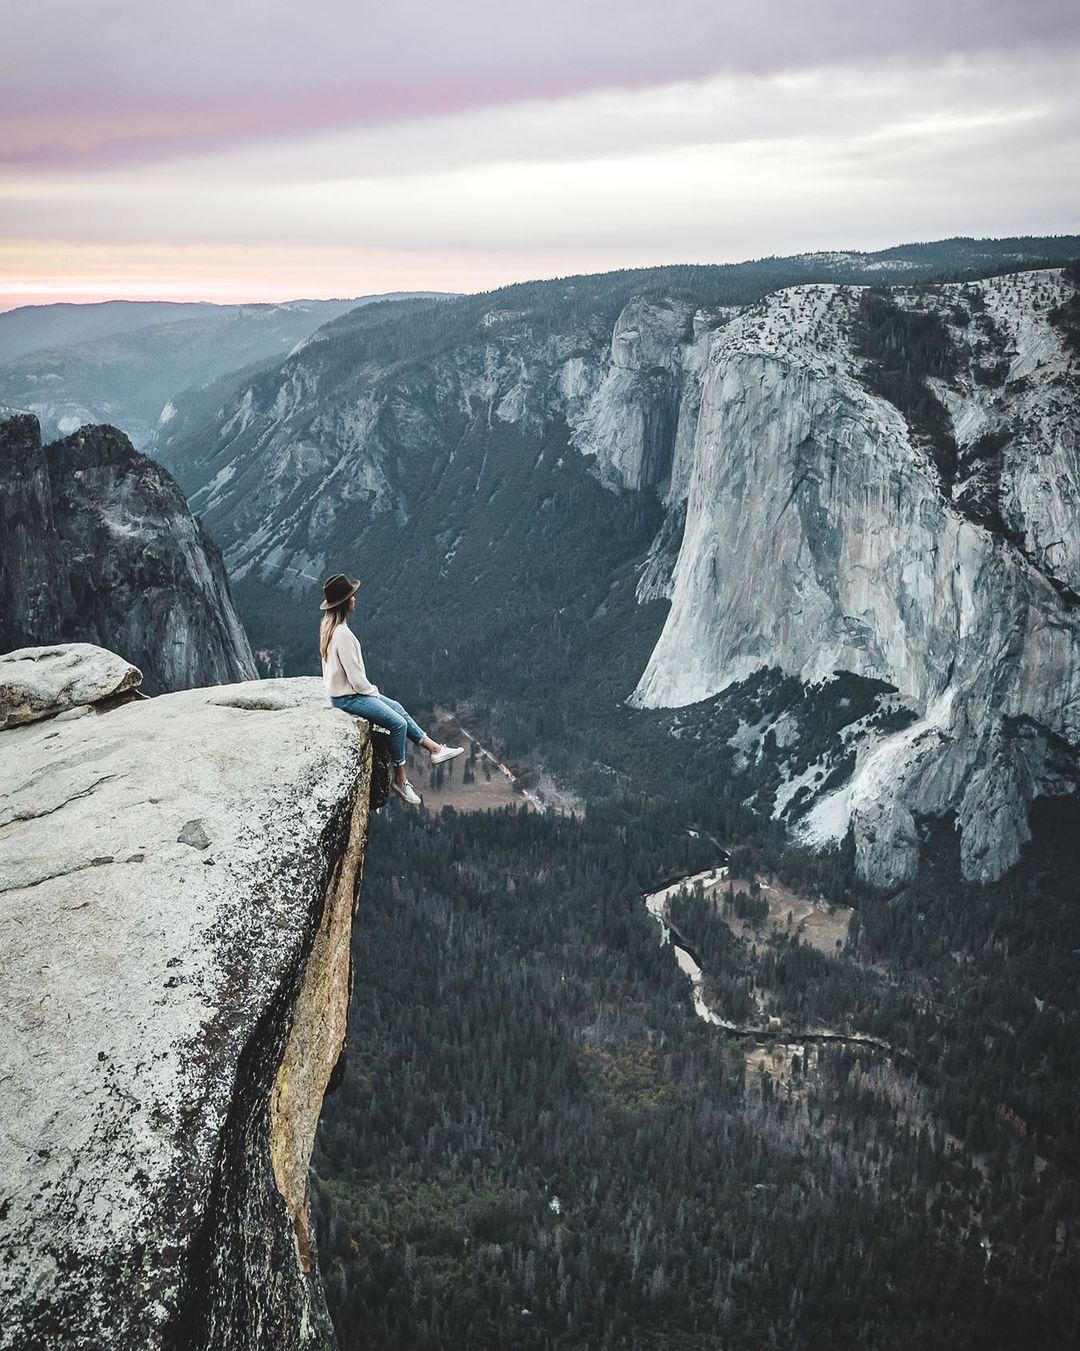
[(407, 791), (447, 753)]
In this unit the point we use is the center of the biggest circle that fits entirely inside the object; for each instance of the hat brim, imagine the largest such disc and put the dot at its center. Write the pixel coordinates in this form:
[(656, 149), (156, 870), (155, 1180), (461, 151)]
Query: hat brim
[(327, 605)]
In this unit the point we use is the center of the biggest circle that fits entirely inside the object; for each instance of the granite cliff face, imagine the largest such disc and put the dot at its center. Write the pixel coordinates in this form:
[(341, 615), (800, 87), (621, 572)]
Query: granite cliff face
[(820, 536), (175, 971), (356, 424), (818, 509), (98, 545)]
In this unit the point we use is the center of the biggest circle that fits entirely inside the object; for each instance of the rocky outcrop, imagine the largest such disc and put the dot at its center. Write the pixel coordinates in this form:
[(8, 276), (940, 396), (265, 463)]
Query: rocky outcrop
[(35, 589), (629, 424), (98, 546), (177, 886), (820, 536), (44, 682)]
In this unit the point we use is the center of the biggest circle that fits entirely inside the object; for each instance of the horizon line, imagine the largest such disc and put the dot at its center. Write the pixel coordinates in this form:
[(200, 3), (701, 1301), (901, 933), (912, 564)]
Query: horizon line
[(44, 299)]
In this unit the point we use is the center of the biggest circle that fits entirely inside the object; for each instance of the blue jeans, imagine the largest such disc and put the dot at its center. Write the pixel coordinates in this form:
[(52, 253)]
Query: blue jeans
[(383, 712)]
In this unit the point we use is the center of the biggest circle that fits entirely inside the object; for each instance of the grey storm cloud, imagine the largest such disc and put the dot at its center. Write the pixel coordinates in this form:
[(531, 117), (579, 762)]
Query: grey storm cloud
[(123, 80)]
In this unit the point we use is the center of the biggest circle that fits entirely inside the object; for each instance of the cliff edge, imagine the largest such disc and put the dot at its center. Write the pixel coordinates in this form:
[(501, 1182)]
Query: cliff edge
[(177, 887)]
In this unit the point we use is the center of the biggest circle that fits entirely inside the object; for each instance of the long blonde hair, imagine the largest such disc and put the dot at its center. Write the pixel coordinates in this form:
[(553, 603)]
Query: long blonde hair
[(330, 620)]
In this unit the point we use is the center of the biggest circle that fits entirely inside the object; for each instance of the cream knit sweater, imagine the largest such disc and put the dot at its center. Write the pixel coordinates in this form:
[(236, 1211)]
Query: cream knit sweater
[(343, 670)]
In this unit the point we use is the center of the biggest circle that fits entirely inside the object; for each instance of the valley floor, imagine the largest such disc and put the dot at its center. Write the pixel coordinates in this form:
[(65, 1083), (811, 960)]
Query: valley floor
[(539, 1143)]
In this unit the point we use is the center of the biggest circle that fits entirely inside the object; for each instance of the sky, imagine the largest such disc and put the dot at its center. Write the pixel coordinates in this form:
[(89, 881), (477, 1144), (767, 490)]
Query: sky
[(241, 150)]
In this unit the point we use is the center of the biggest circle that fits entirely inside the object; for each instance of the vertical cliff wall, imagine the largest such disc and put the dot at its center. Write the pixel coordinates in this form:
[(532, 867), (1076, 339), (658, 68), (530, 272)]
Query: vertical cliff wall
[(98, 545), (828, 528), (177, 886)]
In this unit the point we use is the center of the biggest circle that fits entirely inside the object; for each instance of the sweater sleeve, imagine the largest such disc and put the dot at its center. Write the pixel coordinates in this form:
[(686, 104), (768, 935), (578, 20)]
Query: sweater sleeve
[(352, 661)]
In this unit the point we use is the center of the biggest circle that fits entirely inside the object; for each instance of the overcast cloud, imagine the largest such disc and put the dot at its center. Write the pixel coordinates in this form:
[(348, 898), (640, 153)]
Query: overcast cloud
[(252, 148)]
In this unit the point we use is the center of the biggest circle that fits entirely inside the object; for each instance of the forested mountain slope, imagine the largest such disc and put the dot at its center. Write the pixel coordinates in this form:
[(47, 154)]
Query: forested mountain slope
[(538, 1142), (121, 363)]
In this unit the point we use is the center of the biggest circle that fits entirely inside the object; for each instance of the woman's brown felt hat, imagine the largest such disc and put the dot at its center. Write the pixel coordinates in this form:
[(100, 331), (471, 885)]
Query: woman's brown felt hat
[(337, 590)]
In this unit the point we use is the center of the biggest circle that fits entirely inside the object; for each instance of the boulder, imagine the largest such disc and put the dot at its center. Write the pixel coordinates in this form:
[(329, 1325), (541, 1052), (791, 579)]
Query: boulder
[(177, 889), (40, 682)]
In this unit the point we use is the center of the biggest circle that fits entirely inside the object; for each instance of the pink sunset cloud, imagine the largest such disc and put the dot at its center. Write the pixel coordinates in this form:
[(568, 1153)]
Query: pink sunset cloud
[(254, 149), (130, 81)]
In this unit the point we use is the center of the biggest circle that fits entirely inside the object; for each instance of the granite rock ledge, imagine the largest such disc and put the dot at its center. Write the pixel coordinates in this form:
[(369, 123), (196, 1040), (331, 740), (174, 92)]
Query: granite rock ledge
[(178, 880)]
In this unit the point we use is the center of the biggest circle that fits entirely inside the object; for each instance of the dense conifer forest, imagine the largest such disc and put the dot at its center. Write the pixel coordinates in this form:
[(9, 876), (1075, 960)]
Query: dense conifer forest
[(538, 1143), (533, 1118)]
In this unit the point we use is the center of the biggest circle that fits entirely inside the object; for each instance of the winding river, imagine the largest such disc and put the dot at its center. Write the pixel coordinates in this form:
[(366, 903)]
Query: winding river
[(657, 902)]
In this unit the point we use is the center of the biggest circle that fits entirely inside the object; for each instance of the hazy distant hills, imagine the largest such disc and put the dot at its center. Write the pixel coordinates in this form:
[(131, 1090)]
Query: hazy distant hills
[(30, 328), (120, 362)]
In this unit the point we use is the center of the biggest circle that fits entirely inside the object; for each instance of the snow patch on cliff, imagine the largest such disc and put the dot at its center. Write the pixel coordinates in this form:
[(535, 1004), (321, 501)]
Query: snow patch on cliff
[(817, 538)]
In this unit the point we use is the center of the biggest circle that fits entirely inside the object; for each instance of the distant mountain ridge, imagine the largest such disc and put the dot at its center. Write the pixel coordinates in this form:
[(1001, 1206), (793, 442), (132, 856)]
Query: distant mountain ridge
[(332, 408), (32, 328), (120, 361), (35, 328)]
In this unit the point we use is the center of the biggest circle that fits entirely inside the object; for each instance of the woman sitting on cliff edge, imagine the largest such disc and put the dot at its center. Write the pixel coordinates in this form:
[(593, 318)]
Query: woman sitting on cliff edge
[(349, 688)]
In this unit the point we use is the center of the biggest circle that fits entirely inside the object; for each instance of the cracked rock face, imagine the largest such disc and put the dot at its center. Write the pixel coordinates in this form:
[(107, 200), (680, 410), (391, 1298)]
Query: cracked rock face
[(97, 545), (178, 881)]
